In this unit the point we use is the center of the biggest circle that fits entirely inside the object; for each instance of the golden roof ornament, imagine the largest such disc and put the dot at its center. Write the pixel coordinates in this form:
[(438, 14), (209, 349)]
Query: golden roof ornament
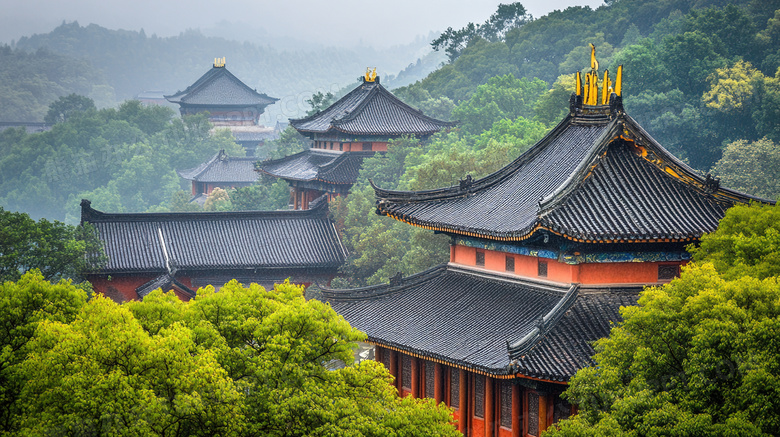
[(370, 76), (587, 93), (219, 62)]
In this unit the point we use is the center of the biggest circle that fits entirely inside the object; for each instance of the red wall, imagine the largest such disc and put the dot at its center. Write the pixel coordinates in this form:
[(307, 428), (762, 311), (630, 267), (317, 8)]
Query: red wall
[(588, 273)]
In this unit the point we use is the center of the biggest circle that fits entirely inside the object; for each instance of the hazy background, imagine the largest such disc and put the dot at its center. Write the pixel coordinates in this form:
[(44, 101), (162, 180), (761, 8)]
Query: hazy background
[(332, 22)]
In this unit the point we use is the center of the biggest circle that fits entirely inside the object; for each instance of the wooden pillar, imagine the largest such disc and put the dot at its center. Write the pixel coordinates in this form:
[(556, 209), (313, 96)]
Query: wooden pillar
[(394, 367), (378, 351), (550, 410), (415, 385), (490, 422), (542, 412), (463, 382), (295, 197), (438, 387), (452, 253), (517, 410)]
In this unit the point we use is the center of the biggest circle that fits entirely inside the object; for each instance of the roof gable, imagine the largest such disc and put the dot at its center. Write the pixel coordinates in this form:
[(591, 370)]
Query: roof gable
[(222, 168), (370, 109), (317, 165), (219, 87)]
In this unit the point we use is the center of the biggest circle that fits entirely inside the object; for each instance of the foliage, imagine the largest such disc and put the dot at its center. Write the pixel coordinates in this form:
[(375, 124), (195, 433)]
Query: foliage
[(240, 362), (63, 108), (267, 194), (505, 18), (751, 167), (289, 142), (319, 101), (218, 200), (747, 243), (57, 250), (696, 357)]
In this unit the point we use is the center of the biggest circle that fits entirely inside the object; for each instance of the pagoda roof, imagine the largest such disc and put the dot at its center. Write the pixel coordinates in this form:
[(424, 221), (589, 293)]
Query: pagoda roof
[(486, 321), (219, 87), (327, 166), (222, 168), (370, 109), (166, 282), (217, 241), (596, 177)]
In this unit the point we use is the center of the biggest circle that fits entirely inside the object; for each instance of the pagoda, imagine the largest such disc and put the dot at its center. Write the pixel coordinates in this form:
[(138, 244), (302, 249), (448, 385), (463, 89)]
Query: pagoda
[(229, 102), (543, 254), (355, 127), (221, 171)]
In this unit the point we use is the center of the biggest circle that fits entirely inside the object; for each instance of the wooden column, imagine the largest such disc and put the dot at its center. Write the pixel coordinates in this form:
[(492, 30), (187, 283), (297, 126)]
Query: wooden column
[(517, 410), (415, 385), (542, 412), (295, 197), (394, 367), (378, 354), (490, 422), (463, 382), (550, 410), (438, 387)]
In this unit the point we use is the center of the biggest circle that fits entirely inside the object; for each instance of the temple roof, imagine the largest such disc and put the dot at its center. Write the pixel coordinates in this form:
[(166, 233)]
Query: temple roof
[(486, 321), (596, 177), (370, 109), (244, 240), (166, 282), (218, 87), (222, 168), (317, 165)]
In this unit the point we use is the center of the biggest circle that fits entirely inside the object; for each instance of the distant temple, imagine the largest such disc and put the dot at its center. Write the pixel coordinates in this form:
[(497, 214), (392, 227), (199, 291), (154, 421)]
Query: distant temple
[(221, 171), (230, 103), (185, 251), (543, 254), (355, 127)]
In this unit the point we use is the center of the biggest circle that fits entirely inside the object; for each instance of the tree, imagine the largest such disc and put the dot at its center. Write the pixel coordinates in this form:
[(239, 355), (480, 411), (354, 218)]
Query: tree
[(747, 243), (319, 101), (57, 250), (218, 200), (698, 356), (751, 167), (24, 305), (65, 107)]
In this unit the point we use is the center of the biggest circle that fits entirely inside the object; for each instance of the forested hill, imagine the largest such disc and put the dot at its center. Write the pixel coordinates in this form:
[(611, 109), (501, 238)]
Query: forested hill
[(132, 62), (698, 74)]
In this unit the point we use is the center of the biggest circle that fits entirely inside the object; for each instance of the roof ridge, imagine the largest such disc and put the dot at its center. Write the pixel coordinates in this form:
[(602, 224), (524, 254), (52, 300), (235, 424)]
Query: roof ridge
[(371, 291), (91, 215), (525, 344), (311, 117), (202, 168)]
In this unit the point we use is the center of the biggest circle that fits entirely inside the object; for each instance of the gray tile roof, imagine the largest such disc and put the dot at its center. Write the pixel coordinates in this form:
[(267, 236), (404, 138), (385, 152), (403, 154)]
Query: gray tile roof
[(592, 178), (222, 168), (166, 282), (247, 240), (486, 321), (370, 109), (219, 87), (317, 165)]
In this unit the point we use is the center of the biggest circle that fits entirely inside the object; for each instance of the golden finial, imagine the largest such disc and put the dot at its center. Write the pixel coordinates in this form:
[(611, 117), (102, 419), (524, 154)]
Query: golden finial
[(606, 88), (219, 62), (594, 64), (619, 81), (578, 84), (370, 76)]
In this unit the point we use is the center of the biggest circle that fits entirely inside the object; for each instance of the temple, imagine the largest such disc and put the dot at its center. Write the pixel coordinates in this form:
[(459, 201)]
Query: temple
[(221, 171), (543, 254), (356, 126), (185, 251), (229, 103)]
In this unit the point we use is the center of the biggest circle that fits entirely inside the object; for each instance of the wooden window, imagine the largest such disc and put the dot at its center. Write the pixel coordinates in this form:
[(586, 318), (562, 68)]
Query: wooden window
[(406, 372), (480, 258), (341, 146), (430, 379), (667, 272), (542, 269), (505, 415), (479, 396), (533, 414), (510, 263), (454, 387), (385, 354), (366, 146)]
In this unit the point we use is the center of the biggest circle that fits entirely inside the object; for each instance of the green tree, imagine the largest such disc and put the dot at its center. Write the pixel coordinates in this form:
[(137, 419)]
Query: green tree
[(57, 250), (67, 106), (290, 142), (24, 305), (747, 243), (320, 101), (751, 167)]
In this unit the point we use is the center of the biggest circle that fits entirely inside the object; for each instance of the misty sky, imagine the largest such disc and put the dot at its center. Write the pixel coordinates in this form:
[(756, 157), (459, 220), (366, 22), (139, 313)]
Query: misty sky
[(332, 22)]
